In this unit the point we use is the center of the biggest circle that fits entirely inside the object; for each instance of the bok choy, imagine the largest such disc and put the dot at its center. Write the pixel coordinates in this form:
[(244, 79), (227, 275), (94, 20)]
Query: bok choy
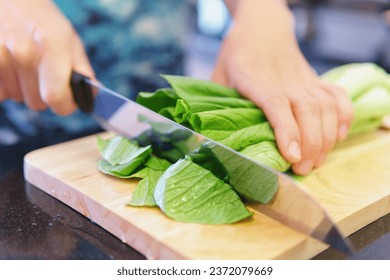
[(195, 188)]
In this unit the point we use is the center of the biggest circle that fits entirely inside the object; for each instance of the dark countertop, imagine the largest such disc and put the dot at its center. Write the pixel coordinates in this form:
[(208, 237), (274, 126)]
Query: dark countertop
[(34, 225)]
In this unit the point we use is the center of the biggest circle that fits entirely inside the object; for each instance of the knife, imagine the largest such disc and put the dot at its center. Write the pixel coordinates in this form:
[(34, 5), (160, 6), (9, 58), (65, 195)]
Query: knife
[(279, 196)]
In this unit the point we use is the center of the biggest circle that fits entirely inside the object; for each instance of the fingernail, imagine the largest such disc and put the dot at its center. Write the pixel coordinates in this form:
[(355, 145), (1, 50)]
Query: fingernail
[(295, 150), (343, 132), (306, 166)]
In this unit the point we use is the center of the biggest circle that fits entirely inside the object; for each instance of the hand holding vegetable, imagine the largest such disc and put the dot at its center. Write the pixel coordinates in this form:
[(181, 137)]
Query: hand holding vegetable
[(38, 50), (261, 59)]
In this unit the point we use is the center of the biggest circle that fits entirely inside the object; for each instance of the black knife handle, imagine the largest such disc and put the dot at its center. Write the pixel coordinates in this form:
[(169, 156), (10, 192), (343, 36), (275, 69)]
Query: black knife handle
[(82, 92)]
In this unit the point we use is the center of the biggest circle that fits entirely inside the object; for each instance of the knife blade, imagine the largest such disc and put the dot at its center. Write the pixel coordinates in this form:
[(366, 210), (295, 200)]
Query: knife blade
[(271, 192)]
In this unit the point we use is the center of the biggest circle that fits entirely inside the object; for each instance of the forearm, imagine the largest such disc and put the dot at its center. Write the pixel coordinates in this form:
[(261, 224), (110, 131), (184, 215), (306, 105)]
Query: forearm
[(269, 19), (233, 5)]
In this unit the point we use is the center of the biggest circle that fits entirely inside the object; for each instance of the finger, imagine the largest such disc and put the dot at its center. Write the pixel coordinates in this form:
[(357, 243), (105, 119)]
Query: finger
[(80, 60), (7, 69), (344, 109), (286, 130), (28, 78), (219, 76), (329, 121), (54, 72), (308, 115), (279, 114), (25, 56), (3, 96)]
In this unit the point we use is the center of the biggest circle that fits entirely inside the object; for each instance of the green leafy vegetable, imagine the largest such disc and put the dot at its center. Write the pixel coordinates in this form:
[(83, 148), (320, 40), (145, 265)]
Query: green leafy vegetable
[(207, 198), (239, 139), (119, 150), (123, 158), (188, 88), (368, 86), (143, 194), (120, 156), (268, 154), (357, 78), (158, 164), (226, 119), (158, 100), (243, 176), (199, 188), (120, 171), (214, 111), (187, 192)]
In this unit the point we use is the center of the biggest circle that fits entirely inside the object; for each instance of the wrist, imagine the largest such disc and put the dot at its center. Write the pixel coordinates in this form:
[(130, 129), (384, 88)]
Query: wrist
[(234, 5), (265, 16), (263, 27)]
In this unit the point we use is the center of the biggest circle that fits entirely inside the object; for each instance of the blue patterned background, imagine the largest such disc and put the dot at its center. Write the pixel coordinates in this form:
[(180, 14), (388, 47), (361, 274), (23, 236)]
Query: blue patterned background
[(129, 43)]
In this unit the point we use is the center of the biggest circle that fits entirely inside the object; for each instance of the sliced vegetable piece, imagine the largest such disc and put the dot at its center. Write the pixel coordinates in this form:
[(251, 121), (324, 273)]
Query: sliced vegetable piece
[(186, 192), (119, 150), (252, 182), (120, 156), (122, 170), (158, 164), (143, 194)]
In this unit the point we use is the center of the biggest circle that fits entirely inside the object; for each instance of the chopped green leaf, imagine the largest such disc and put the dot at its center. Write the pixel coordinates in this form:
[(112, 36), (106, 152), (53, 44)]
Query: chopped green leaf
[(119, 150), (143, 194), (158, 164), (188, 193), (143, 173), (244, 176), (120, 156)]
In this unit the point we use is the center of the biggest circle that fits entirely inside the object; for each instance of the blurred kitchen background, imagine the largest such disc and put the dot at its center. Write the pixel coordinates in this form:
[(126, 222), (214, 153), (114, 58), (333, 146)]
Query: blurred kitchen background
[(330, 33)]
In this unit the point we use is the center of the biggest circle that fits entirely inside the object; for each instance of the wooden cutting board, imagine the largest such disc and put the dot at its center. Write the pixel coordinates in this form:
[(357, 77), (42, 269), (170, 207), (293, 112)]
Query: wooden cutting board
[(353, 185)]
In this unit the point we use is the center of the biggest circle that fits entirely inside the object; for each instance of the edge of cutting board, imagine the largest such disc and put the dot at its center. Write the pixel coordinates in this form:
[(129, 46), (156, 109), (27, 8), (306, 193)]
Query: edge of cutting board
[(156, 236)]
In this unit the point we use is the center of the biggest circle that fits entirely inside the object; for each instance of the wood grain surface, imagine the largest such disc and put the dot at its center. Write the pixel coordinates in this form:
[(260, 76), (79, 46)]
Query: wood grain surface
[(353, 185)]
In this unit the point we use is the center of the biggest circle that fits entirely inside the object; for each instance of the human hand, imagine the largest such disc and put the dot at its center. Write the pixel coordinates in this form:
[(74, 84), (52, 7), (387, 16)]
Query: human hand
[(38, 50), (261, 59)]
